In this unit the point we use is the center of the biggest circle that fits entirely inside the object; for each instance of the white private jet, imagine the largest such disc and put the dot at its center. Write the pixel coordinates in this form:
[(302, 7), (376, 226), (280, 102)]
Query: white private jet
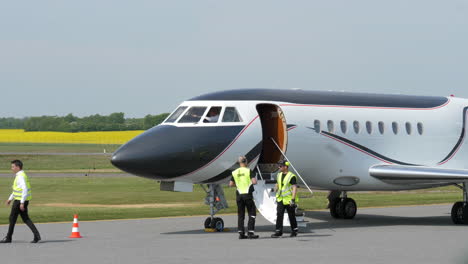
[(336, 141)]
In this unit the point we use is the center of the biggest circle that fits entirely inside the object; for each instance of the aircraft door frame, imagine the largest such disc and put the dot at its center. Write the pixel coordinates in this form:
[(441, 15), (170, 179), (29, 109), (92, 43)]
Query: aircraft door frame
[(274, 125)]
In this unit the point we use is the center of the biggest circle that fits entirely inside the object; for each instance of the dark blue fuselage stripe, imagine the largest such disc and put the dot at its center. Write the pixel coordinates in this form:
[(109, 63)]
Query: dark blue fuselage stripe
[(367, 150), (460, 140), (251, 155), (449, 156)]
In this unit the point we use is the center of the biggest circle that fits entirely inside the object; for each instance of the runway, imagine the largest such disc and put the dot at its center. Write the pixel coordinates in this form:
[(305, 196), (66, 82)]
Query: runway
[(420, 234)]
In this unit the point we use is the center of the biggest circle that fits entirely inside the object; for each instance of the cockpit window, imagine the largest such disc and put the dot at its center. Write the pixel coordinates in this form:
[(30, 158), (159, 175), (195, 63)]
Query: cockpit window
[(231, 115), (176, 114), (213, 115), (193, 115)]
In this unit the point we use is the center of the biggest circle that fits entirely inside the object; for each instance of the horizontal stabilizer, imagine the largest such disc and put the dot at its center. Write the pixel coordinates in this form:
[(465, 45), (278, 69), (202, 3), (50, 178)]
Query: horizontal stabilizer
[(417, 174)]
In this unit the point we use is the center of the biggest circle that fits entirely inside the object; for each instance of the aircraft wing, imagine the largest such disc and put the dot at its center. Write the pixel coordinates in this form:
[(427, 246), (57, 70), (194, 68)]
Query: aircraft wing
[(400, 174)]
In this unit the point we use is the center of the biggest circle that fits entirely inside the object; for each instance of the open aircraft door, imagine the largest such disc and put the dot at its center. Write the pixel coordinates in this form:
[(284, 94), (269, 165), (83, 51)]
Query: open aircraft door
[(274, 144), (273, 126)]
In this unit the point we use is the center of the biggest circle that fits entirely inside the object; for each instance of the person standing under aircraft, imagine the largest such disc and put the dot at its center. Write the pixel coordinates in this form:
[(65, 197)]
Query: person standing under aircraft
[(21, 195), (243, 178), (286, 190)]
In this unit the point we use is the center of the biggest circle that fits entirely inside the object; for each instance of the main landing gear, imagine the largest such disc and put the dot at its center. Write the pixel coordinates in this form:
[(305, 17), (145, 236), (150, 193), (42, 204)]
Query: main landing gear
[(460, 209), (216, 200), (341, 206)]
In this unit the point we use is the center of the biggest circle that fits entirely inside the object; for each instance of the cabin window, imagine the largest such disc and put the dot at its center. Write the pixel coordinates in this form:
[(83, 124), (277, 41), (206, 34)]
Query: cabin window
[(317, 126), (408, 128), (343, 126), (176, 114), (369, 127), (395, 127), (213, 115), (331, 126), (420, 128), (356, 127), (381, 127), (193, 115), (231, 115)]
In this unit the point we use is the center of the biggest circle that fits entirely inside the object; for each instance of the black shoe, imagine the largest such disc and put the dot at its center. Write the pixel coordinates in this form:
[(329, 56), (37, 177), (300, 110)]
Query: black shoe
[(276, 235), (252, 236), (242, 236), (36, 239), (5, 240), (293, 234)]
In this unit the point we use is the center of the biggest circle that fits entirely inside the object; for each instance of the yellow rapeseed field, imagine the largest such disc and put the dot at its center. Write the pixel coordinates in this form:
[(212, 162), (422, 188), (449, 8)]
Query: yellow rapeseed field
[(105, 137)]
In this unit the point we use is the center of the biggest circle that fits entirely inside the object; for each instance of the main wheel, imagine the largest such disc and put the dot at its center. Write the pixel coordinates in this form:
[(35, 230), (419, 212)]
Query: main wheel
[(208, 222), (460, 213), (218, 224), (348, 208), (334, 206)]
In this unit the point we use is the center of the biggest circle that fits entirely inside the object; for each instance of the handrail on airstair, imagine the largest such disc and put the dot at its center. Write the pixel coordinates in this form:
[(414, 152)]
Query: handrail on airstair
[(259, 172), (284, 155)]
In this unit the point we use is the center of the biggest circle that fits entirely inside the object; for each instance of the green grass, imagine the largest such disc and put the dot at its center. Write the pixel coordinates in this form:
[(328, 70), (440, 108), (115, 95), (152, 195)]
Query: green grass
[(135, 190), (56, 148), (57, 163)]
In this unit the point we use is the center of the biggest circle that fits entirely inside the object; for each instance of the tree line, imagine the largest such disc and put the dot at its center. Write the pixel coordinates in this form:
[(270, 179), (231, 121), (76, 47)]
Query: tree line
[(71, 123)]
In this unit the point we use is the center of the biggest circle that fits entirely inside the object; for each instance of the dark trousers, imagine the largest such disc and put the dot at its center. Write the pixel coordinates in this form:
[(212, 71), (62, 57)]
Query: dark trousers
[(280, 208), (244, 202), (15, 211)]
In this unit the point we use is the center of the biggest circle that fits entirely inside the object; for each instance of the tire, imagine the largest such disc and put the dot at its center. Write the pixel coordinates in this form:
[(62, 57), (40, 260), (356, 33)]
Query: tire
[(333, 208), (208, 222), (218, 224), (349, 208), (339, 207), (459, 213)]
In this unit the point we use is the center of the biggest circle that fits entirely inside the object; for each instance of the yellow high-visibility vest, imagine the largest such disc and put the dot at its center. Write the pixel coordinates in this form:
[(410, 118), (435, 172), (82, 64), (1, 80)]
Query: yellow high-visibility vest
[(284, 193), (242, 179), (17, 191)]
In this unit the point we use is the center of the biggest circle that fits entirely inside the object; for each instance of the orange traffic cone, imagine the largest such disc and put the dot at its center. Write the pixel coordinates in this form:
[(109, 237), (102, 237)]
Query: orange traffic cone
[(75, 233)]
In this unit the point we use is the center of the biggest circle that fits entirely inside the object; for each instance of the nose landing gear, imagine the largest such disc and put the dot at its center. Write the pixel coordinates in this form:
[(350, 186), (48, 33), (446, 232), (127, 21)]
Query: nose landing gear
[(216, 200)]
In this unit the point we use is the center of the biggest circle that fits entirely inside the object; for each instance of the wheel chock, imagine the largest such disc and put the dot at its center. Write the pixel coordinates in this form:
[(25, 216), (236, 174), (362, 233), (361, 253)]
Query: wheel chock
[(213, 230)]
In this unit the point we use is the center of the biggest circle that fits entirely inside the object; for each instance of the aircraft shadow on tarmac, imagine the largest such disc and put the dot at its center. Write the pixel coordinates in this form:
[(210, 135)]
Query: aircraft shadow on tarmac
[(233, 230), (361, 220), (370, 220)]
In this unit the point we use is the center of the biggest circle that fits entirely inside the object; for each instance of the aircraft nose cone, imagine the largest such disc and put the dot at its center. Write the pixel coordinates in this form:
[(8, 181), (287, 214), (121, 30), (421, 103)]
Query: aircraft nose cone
[(166, 152), (120, 159)]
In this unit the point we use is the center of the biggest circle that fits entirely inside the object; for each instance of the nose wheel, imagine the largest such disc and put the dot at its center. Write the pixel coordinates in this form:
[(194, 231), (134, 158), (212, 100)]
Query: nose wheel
[(215, 223), (216, 200)]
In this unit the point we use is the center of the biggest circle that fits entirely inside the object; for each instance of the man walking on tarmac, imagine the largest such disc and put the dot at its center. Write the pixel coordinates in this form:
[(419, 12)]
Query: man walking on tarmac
[(21, 195), (286, 190), (243, 178)]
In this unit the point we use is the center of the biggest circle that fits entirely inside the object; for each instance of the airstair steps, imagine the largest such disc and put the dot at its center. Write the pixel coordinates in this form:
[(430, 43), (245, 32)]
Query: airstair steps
[(265, 200)]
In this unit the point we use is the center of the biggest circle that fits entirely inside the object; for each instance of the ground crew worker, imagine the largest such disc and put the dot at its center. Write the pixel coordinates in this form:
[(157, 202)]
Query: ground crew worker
[(243, 178), (286, 189), (21, 195)]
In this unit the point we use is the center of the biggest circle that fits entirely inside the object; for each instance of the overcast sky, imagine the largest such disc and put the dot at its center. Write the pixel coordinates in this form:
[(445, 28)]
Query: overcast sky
[(146, 57)]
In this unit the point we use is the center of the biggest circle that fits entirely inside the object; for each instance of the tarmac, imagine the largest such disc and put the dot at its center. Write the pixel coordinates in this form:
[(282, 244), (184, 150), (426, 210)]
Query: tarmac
[(411, 234)]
